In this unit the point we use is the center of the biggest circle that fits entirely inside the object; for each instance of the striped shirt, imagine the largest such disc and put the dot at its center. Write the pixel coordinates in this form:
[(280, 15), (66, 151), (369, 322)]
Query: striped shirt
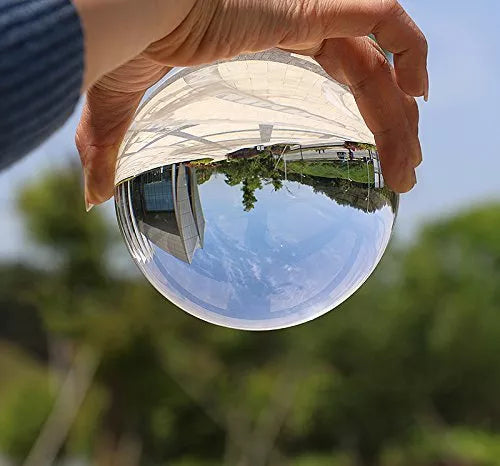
[(41, 71)]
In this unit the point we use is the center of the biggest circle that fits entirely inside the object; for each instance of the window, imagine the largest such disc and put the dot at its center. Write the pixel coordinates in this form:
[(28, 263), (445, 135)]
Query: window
[(158, 196)]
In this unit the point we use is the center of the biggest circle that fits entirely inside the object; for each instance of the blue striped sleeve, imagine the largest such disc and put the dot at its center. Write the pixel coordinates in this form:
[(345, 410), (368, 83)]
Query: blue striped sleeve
[(41, 72)]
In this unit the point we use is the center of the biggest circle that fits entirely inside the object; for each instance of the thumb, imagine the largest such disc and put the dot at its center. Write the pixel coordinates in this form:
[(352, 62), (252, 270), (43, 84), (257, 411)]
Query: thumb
[(104, 122), (108, 112)]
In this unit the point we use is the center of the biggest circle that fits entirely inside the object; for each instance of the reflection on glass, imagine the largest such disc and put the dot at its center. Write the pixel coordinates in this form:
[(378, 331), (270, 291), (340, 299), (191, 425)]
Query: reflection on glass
[(167, 205), (244, 202)]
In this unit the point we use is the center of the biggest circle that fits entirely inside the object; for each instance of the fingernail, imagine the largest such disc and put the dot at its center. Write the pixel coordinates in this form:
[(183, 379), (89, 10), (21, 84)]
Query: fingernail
[(88, 206), (426, 92), (414, 178)]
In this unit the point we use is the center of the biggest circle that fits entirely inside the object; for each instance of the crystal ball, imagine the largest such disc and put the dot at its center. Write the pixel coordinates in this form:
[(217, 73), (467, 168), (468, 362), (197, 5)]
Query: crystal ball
[(249, 192)]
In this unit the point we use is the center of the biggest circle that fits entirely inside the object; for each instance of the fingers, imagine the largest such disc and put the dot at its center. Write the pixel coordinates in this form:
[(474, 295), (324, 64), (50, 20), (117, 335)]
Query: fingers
[(412, 115), (397, 33), (108, 112), (386, 19), (221, 29), (389, 113)]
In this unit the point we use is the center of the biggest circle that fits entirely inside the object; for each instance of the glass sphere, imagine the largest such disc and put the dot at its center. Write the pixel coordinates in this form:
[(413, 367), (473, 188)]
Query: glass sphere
[(249, 192)]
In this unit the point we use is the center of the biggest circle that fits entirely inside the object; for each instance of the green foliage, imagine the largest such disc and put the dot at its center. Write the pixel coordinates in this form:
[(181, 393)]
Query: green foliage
[(25, 401), (347, 183), (25, 412), (404, 373), (251, 173), (205, 161), (459, 445), (55, 218), (249, 186), (353, 170), (341, 459)]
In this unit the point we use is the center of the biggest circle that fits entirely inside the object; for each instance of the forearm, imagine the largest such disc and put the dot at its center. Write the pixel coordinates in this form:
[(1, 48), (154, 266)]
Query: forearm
[(115, 31)]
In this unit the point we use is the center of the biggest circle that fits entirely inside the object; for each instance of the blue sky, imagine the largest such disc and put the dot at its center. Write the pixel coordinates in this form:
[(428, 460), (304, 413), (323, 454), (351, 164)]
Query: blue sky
[(459, 124), (295, 255)]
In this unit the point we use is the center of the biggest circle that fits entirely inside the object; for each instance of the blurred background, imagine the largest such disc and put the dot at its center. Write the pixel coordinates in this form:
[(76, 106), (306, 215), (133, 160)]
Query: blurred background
[(97, 369)]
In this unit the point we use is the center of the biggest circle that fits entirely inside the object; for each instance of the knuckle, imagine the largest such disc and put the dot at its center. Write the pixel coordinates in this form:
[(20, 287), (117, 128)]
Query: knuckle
[(390, 7), (392, 10), (377, 68), (305, 22)]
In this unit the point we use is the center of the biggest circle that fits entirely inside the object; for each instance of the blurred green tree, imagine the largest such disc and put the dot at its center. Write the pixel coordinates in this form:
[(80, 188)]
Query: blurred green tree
[(404, 372)]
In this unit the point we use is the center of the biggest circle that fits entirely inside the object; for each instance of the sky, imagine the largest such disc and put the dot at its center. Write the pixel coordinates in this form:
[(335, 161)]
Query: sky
[(296, 254), (458, 127)]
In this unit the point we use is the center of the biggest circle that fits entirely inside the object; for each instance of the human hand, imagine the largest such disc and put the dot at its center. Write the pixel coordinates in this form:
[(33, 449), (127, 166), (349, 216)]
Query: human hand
[(332, 31)]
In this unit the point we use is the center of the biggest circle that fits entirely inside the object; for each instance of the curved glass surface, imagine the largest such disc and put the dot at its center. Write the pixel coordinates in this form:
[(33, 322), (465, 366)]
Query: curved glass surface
[(250, 193)]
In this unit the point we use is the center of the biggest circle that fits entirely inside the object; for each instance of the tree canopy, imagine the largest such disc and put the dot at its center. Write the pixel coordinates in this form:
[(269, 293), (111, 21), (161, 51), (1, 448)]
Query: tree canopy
[(404, 373)]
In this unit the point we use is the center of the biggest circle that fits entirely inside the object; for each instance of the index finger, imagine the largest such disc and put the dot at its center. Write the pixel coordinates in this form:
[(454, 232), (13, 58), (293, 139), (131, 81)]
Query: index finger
[(387, 110), (399, 34), (394, 30)]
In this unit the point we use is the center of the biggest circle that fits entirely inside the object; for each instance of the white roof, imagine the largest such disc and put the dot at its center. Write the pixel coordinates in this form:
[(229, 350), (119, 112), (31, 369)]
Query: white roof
[(216, 109)]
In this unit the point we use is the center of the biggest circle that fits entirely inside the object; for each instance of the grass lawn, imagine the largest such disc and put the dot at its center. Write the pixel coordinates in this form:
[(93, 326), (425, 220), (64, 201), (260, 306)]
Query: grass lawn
[(357, 170)]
